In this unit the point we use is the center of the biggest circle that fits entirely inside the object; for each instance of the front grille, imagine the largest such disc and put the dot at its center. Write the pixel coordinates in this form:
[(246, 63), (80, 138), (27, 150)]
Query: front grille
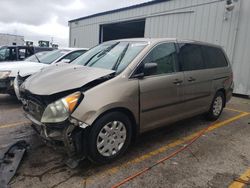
[(34, 107), (35, 110)]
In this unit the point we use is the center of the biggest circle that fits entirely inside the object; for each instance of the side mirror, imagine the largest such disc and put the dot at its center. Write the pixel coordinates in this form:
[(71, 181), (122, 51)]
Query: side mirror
[(150, 69), (146, 70), (65, 61)]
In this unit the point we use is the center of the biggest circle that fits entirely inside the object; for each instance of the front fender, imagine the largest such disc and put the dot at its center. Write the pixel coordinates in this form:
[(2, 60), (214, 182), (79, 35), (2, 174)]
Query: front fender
[(115, 93)]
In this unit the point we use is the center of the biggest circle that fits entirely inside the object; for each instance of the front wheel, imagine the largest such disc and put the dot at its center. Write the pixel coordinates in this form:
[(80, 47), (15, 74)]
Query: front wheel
[(109, 137), (217, 106)]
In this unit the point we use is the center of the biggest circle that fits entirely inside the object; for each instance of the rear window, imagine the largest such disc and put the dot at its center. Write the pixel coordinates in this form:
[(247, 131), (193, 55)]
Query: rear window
[(214, 57), (191, 57)]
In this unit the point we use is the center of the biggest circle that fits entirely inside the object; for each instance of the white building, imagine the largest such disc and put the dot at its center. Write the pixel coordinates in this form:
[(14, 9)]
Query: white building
[(212, 21), (8, 39)]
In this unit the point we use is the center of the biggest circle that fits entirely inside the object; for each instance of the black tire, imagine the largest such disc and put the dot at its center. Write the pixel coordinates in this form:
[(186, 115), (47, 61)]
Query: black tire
[(94, 155), (212, 114)]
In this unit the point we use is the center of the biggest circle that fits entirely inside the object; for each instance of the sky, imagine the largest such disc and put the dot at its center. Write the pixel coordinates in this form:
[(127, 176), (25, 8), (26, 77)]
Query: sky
[(47, 19)]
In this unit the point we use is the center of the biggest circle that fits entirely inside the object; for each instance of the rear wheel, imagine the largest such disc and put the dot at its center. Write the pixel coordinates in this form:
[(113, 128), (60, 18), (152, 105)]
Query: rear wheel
[(217, 106), (109, 137)]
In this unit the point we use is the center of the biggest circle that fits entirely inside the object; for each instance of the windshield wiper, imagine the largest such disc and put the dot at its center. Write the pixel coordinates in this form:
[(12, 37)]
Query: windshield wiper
[(37, 58), (120, 58), (91, 58)]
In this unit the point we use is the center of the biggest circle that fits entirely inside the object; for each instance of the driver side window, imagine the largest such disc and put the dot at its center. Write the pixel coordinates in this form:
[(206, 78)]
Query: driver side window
[(164, 55)]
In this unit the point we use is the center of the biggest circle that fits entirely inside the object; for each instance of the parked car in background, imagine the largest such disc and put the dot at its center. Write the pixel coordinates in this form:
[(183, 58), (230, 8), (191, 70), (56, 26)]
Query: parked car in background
[(95, 106), (9, 70), (18, 53), (35, 57)]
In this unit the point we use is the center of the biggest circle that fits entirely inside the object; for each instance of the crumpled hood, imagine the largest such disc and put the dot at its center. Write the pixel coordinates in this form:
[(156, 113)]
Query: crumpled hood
[(23, 67), (62, 77)]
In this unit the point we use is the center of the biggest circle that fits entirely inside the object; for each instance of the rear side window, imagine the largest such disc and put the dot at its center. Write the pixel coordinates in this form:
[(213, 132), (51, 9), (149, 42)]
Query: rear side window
[(214, 57), (191, 57)]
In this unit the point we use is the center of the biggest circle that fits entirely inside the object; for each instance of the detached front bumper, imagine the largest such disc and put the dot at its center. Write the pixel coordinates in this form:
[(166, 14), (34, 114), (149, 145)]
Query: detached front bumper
[(65, 137), (7, 85)]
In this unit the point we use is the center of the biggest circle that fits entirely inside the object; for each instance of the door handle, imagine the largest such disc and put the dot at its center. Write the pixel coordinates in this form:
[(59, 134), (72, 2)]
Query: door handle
[(177, 82), (191, 79)]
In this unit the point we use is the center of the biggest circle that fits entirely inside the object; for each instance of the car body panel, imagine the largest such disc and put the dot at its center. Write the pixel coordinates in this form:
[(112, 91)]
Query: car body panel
[(63, 77), (151, 101), (199, 92), (27, 68), (21, 67), (160, 99), (118, 92), (176, 108)]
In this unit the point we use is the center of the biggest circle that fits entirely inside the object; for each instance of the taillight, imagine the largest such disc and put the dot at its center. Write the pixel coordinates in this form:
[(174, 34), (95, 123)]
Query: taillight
[(229, 80), (231, 77)]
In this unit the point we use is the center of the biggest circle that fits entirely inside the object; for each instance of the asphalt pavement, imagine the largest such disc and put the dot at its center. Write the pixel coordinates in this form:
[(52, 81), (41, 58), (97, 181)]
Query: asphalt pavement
[(218, 158)]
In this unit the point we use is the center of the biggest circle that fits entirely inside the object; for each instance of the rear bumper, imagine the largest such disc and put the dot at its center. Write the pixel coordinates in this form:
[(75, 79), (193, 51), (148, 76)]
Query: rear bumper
[(64, 137)]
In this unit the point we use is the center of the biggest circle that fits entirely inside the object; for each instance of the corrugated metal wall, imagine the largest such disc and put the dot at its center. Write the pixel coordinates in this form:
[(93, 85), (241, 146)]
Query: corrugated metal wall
[(204, 20), (82, 30), (7, 39), (241, 54)]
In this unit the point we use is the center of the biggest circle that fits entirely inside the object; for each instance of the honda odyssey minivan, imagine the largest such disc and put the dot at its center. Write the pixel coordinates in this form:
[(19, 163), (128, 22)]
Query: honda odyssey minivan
[(96, 106)]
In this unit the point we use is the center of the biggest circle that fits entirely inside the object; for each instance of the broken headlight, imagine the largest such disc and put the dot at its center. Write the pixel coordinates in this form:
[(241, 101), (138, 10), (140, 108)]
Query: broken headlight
[(4, 74), (60, 110)]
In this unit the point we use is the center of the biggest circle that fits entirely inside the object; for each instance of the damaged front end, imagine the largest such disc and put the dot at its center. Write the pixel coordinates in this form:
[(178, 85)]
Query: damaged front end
[(54, 124), (18, 81), (49, 98)]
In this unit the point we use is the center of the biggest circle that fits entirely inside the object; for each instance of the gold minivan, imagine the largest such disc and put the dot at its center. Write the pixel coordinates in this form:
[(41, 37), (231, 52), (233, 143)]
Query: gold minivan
[(97, 105)]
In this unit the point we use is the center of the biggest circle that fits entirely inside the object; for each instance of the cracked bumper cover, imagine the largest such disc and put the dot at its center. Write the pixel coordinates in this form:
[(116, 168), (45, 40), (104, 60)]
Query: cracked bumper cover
[(65, 136)]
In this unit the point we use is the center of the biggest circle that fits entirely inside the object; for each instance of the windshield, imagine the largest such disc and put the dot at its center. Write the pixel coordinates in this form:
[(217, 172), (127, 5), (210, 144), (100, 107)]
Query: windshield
[(111, 55), (38, 55), (50, 57)]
